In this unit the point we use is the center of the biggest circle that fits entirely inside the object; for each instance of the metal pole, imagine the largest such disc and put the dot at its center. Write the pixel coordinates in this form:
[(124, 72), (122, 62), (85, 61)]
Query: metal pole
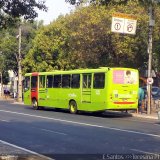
[(151, 24), (19, 67), (1, 84), (2, 65)]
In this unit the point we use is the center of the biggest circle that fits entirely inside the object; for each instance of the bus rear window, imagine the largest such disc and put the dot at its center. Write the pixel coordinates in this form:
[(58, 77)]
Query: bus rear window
[(125, 77)]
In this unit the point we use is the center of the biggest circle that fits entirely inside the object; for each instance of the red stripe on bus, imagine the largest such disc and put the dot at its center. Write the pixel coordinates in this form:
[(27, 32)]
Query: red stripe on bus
[(35, 74), (124, 102), (34, 91)]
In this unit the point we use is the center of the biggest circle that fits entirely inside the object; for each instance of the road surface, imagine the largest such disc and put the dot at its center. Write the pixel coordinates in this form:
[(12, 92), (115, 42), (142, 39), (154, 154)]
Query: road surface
[(59, 134)]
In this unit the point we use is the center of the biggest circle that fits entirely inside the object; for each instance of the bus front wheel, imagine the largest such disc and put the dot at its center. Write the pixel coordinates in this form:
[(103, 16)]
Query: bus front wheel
[(35, 104), (73, 107)]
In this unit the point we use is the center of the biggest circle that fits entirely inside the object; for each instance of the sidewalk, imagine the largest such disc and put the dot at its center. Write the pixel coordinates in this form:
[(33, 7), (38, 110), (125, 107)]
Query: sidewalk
[(12, 100), (6, 99), (153, 115)]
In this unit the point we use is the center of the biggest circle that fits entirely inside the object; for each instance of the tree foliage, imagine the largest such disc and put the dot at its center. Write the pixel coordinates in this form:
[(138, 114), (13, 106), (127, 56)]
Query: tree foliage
[(5, 75), (113, 2), (12, 9), (9, 44), (49, 49), (84, 39)]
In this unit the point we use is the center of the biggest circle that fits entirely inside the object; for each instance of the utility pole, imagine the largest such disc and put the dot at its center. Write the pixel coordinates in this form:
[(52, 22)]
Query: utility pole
[(19, 66), (150, 40), (1, 84), (1, 72)]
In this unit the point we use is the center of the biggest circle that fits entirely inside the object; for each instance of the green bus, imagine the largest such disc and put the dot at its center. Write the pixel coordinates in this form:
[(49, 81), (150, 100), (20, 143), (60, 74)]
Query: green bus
[(83, 89)]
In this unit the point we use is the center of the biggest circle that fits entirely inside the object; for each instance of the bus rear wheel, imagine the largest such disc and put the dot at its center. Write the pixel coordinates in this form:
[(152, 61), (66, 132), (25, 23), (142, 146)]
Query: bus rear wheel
[(73, 107), (35, 104)]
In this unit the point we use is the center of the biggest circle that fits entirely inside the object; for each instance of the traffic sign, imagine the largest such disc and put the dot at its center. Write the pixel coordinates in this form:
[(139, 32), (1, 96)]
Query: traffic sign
[(130, 26), (150, 80), (124, 23), (117, 24)]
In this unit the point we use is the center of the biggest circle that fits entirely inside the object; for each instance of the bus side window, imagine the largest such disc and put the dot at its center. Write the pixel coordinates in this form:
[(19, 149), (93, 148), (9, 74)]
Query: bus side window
[(84, 81), (57, 81), (27, 84), (89, 80), (66, 81), (34, 80), (41, 81), (75, 82), (99, 81), (49, 81)]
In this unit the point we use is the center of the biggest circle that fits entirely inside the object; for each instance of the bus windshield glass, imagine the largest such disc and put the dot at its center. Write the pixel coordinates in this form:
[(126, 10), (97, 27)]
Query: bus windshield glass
[(125, 77)]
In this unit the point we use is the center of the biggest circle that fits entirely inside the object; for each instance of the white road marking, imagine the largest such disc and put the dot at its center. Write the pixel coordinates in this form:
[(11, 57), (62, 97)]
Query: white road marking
[(4, 120), (26, 150), (85, 124), (139, 121), (53, 131)]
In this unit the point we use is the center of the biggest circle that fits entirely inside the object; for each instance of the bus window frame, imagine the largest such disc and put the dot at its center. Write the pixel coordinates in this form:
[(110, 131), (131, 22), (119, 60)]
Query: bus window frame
[(27, 84), (35, 81), (104, 81), (60, 83), (79, 81), (47, 81), (43, 84), (63, 86)]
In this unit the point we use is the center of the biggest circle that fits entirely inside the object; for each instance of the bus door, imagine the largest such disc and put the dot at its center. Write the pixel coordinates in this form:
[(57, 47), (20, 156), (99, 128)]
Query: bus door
[(34, 87), (86, 87), (27, 91), (42, 90)]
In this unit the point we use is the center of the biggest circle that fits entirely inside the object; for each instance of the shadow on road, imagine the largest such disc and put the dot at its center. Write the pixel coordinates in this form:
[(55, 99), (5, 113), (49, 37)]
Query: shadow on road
[(106, 114)]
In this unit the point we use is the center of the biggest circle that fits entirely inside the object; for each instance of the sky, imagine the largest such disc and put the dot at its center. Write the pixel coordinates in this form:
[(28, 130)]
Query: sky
[(55, 8)]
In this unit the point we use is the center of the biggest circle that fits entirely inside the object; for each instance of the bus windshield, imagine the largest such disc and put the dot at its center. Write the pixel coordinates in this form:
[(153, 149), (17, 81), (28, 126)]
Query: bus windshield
[(125, 77)]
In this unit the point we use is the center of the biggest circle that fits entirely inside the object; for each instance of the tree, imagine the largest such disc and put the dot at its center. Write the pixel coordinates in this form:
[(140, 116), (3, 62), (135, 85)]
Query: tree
[(50, 48), (9, 43), (94, 45), (87, 41), (13, 9), (107, 2)]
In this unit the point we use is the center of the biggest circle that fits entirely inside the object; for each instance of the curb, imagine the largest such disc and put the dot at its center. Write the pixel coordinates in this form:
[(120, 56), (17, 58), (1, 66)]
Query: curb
[(21, 103)]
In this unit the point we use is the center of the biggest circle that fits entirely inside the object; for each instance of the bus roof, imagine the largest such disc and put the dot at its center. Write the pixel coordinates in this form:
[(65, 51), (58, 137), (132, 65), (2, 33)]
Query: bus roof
[(101, 69)]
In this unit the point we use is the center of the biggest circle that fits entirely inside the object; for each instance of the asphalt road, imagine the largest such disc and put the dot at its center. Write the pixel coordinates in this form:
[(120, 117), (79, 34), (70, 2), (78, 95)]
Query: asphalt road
[(59, 134)]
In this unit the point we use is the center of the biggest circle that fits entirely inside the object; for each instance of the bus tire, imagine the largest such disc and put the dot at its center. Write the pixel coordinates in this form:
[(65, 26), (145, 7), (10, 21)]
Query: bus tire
[(73, 107), (35, 104)]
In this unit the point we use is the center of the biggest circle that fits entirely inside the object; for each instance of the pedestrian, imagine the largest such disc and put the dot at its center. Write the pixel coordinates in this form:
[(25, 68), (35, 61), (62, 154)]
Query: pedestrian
[(5, 93), (8, 93), (140, 99)]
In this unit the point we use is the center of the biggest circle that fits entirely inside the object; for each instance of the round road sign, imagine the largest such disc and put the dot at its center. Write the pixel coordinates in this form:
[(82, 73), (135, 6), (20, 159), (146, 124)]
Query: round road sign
[(150, 80)]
